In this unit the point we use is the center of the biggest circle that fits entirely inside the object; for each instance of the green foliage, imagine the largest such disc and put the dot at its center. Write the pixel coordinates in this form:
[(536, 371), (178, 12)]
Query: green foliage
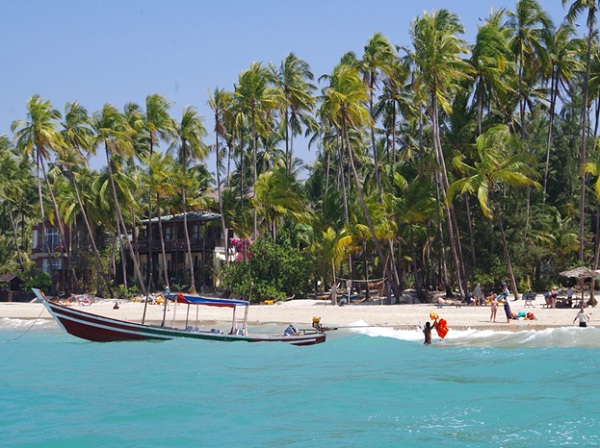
[(38, 279), (271, 271)]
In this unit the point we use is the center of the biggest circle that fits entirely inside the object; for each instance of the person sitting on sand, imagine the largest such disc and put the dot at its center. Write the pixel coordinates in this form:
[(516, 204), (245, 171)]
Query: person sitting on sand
[(583, 318), (427, 332), (470, 299)]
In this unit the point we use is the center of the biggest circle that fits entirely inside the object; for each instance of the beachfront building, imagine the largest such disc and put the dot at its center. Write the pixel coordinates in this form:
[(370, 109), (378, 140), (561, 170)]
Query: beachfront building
[(50, 256), (207, 249)]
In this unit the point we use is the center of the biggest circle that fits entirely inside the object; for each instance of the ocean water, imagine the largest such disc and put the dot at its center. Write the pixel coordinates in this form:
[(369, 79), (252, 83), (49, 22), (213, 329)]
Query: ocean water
[(367, 387)]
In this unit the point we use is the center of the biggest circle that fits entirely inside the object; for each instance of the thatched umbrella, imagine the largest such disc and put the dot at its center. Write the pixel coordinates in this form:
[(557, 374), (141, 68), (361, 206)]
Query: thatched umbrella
[(582, 273)]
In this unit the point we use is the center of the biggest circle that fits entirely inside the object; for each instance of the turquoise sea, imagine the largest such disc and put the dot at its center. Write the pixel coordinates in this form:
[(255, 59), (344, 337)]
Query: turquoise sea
[(374, 387)]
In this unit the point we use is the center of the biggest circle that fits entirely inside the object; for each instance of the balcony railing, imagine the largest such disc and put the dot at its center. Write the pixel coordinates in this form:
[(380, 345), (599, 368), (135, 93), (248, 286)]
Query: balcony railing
[(178, 244)]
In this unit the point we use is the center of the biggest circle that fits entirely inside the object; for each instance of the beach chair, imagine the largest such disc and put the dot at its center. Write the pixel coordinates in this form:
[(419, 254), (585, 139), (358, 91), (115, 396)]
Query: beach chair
[(529, 297), (446, 302)]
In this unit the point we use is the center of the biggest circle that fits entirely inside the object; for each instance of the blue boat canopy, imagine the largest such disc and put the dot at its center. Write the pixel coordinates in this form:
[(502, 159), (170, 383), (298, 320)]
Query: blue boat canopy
[(207, 301)]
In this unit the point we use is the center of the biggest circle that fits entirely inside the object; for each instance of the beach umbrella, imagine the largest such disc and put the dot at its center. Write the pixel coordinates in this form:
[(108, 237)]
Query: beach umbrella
[(581, 273)]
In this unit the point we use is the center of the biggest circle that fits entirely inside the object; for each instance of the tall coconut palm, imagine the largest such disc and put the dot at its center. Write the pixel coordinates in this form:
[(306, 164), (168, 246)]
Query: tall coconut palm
[(160, 180), (577, 8), (379, 57), (438, 55), (491, 61), (220, 102), (294, 79), (191, 148), (257, 100), (113, 132), (37, 138), (158, 125), (562, 49), (495, 164), (529, 23), (78, 136), (343, 104)]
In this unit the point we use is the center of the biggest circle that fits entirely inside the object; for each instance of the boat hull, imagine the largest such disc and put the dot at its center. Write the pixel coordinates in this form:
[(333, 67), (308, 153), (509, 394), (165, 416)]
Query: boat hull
[(98, 328)]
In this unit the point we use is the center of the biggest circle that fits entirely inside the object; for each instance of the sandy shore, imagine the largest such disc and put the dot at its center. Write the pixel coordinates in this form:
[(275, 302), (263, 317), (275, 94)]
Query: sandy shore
[(301, 312)]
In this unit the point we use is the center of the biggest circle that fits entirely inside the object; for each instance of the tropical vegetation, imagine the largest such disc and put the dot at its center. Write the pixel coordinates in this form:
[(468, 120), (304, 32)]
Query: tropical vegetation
[(444, 163)]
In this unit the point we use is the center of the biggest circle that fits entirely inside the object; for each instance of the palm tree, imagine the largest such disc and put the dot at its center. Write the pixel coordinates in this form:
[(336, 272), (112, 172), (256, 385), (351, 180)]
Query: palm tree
[(78, 135), (190, 131), (578, 7), (257, 100), (529, 22), (113, 132), (279, 196), (494, 166), (220, 103), (161, 181), (562, 49), (13, 181), (158, 125), (491, 62), (343, 104), (294, 79), (36, 138), (379, 57), (441, 69)]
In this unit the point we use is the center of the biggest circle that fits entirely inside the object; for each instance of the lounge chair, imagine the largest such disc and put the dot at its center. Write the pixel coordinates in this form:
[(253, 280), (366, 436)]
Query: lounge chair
[(441, 302), (529, 297)]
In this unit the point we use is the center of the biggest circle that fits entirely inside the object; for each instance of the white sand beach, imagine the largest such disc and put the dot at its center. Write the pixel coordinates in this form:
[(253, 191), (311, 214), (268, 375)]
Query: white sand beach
[(301, 312)]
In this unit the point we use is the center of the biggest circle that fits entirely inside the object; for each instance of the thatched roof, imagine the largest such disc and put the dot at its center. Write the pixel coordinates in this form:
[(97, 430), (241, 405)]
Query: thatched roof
[(580, 272)]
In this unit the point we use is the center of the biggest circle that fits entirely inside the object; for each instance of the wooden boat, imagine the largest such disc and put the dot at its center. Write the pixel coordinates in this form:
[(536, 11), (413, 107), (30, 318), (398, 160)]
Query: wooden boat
[(98, 328)]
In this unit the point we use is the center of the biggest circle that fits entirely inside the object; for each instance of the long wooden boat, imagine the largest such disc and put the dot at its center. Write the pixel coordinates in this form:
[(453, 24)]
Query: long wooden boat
[(98, 328)]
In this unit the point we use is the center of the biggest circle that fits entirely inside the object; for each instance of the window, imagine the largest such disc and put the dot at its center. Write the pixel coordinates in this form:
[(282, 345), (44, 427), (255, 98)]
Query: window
[(51, 239)]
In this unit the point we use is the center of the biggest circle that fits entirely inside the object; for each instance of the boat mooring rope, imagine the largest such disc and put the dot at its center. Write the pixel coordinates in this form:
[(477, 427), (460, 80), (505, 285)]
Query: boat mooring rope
[(28, 329)]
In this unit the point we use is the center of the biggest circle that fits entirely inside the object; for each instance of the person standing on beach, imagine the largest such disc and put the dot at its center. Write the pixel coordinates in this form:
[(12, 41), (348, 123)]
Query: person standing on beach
[(478, 295), (494, 307), (553, 296), (583, 318), (507, 310)]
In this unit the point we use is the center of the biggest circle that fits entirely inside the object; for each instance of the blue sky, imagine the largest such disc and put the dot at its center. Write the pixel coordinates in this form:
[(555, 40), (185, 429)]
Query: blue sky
[(110, 51)]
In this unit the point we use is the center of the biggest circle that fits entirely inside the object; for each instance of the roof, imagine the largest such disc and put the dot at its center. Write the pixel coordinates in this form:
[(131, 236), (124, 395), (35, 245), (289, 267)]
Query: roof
[(208, 301), (6, 278), (191, 216)]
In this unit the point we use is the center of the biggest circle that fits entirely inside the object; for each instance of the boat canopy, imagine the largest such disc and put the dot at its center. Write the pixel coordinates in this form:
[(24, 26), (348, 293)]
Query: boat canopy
[(206, 301)]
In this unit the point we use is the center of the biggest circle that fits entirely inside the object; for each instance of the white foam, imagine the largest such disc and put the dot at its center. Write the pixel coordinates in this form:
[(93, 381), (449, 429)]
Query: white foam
[(548, 337)]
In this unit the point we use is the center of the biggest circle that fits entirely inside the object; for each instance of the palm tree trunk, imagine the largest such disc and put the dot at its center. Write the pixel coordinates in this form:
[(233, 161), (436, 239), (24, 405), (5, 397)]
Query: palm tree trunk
[(363, 205), (121, 223), (513, 283), (162, 244), (91, 236), (584, 114), (61, 233), (445, 185)]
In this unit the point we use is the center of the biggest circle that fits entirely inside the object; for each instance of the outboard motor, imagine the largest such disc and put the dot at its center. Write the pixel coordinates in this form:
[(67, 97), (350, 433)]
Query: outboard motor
[(290, 330)]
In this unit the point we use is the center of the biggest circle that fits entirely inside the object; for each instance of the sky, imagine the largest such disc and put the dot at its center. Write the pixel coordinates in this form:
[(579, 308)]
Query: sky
[(114, 51)]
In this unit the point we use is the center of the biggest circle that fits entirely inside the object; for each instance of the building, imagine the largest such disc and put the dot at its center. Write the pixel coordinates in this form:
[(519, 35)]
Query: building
[(206, 242), (10, 289), (49, 255)]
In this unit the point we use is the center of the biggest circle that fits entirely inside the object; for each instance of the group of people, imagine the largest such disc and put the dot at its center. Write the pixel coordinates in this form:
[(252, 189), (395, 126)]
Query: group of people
[(551, 297)]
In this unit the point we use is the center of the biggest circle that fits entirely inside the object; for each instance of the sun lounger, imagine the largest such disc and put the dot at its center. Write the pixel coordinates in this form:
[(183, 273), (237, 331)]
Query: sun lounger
[(529, 297), (446, 302)]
